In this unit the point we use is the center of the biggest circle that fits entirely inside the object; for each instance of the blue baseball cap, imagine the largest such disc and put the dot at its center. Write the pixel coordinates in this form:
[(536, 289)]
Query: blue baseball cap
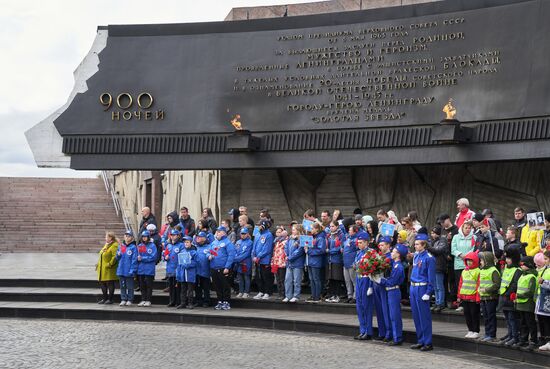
[(385, 239), (421, 237), (202, 234), (363, 236), (145, 234), (174, 232), (402, 250), (187, 238), (244, 230), (129, 233), (221, 229)]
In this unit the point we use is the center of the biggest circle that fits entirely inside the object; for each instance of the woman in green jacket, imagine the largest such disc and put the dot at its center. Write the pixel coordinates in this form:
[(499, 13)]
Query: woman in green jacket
[(461, 245), (106, 268)]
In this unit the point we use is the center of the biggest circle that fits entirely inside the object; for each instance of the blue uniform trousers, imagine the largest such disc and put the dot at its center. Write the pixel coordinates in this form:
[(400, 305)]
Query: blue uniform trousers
[(381, 306), (364, 305), (421, 315), (394, 309)]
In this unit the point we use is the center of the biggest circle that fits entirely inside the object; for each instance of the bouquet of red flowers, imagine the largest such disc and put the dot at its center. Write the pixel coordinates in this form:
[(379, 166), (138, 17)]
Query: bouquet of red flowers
[(373, 263)]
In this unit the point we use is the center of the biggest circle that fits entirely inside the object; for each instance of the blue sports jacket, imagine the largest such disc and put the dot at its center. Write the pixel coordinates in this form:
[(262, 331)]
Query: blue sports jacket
[(350, 250), (223, 253), (203, 264), (172, 251), (296, 256), (127, 260), (186, 270), (314, 255), (335, 247), (148, 253), (243, 256)]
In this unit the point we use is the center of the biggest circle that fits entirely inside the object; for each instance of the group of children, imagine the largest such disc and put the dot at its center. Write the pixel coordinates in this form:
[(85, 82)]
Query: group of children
[(515, 290)]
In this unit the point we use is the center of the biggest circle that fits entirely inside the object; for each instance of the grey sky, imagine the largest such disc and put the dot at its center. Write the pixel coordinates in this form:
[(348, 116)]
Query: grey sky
[(43, 42)]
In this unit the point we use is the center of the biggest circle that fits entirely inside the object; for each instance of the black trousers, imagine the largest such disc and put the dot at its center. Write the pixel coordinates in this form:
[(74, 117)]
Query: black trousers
[(146, 287), (527, 326), (264, 279), (174, 290), (187, 290), (404, 287), (450, 283), (334, 287), (489, 309), (281, 274), (457, 274), (544, 326), (471, 313), (202, 290), (108, 289), (222, 284)]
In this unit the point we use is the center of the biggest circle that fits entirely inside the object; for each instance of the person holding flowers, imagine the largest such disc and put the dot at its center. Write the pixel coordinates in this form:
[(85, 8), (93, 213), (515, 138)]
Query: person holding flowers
[(364, 299), (380, 296), (422, 286)]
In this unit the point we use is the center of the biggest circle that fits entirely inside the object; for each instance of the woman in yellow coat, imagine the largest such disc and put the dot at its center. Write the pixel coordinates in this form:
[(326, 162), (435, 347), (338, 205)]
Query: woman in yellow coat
[(106, 268)]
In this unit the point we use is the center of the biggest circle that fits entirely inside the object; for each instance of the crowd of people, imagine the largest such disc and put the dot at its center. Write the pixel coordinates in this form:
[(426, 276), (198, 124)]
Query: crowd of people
[(469, 263)]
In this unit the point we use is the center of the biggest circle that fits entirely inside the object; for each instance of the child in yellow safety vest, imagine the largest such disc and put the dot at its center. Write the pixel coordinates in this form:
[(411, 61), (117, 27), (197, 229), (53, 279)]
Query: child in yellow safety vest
[(468, 293), (543, 299), (507, 295), (489, 284), (525, 304)]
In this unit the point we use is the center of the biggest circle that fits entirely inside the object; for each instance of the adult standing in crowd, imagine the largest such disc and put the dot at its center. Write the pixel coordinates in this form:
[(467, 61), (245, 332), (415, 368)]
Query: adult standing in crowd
[(234, 218), (488, 214), (187, 223), (448, 231), (208, 219), (512, 241), (243, 210), (146, 218), (127, 268), (173, 221), (531, 238), (439, 248), (413, 216), (314, 261), (461, 245), (106, 268), (156, 240), (519, 218), (464, 212)]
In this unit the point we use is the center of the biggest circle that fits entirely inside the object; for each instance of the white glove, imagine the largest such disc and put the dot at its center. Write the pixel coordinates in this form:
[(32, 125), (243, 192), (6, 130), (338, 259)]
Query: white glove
[(426, 297), (369, 291)]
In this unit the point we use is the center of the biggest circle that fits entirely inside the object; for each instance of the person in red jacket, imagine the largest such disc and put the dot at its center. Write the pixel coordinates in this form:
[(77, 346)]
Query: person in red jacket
[(468, 294), (464, 212)]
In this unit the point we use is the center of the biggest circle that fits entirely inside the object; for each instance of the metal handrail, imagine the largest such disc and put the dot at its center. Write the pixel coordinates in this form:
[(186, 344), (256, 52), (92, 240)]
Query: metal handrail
[(109, 187)]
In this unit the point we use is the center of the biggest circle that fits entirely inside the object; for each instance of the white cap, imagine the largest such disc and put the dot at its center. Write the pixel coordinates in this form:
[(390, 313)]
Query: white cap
[(151, 227)]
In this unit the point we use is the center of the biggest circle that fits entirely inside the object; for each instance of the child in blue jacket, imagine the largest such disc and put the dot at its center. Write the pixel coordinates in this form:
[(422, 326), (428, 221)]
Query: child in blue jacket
[(172, 248), (127, 268), (222, 255), (202, 285), (186, 273), (243, 262), (261, 256), (314, 261), (335, 261), (392, 286), (295, 265), (147, 257)]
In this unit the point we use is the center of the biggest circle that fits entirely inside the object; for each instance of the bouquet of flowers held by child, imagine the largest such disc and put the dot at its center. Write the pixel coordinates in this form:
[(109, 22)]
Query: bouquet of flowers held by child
[(373, 264)]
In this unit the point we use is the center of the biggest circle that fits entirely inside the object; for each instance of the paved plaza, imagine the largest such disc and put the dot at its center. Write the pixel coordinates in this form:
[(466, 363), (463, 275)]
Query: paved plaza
[(97, 344)]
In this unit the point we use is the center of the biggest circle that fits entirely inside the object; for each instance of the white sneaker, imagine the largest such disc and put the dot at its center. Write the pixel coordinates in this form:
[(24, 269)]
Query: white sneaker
[(336, 299), (459, 309), (147, 303), (294, 299), (240, 296), (246, 295), (129, 303), (265, 297), (329, 299), (141, 303), (258, 296), (474, 335), (285, 299), (122, 303), (468, 335), (545, 347)]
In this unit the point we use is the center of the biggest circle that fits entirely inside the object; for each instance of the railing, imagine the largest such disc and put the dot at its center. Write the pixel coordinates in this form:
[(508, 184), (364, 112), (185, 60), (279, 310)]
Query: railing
[(109, 187)]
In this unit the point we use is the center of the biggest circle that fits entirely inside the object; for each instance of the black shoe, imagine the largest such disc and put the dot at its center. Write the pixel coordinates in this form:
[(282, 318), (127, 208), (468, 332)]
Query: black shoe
[(108, 302), (427, 348), (378, 338), (519, 345), (358, 337), (181, 306), (393, 343), (164, 279), (172, 304), (101, 302), (365, 337), (205, 304), (417, 346), (504, 339), (510, 343), (386, 340), (352, 301), (531, 346), (190, 306)]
